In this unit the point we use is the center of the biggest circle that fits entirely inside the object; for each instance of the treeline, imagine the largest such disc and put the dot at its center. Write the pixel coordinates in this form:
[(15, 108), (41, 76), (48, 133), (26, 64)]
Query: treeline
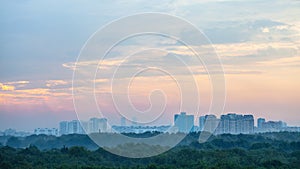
[(270, 150), (44, 142)]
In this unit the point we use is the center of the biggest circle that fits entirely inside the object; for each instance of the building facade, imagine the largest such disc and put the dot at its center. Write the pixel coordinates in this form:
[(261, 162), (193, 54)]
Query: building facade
[(270, 126), (97, 125), (46, 131), (63, 128), (183, 122), (208, 123), (230, 123), (236, 124), (94, 125), (260, 122)]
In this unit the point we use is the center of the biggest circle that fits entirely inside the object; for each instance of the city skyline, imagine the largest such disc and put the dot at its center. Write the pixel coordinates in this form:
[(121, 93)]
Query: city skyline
[(129, 122), (150, 84), (257, 42), (206, 122)]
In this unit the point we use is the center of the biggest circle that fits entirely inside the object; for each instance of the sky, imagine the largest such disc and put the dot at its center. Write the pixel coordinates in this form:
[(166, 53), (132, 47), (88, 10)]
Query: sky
[(257, 42)]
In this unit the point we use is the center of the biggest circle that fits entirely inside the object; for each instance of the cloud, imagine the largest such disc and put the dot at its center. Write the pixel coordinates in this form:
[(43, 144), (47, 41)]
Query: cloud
[(35, 99), (178, 59), (265, 54), (54, 83), (265, 30), (244, 31), (12, 85), (251, 37), (6, 87), (18, 82), (283, 62), (103, 64)]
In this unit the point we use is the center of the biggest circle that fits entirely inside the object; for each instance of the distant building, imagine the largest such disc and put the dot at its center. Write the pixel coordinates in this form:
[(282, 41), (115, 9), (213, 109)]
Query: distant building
[(209, 123), (292, 129), (236, 124), (183, 122), (97, 125), (13, 132), (260, 122), (9, 132), (46, 131), (74, 127), (230, 123), (247, 124), (271, 126), (140, 129), (94, 125), (84, 127), (63, 128), (201, 122)]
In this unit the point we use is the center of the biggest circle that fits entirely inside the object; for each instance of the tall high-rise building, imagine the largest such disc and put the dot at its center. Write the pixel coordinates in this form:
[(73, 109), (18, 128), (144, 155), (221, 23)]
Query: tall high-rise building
[(183, 122), (201, 122), (84, 127), (63, 128), (97, 125), (235, 124), (248, 124), (94, 125), (74, 127), (260, 122), (211, 123), (272, 126), (103, 125)]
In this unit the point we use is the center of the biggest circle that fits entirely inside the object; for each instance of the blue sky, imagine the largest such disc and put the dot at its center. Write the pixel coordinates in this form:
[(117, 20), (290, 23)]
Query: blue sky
[(257, 41)]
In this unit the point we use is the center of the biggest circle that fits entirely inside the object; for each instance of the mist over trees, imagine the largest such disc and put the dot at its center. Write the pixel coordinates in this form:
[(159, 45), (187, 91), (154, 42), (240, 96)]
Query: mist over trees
[(268, 150)]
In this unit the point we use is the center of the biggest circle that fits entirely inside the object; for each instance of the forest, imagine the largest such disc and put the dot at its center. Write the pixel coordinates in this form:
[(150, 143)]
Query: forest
[(266, 150)]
